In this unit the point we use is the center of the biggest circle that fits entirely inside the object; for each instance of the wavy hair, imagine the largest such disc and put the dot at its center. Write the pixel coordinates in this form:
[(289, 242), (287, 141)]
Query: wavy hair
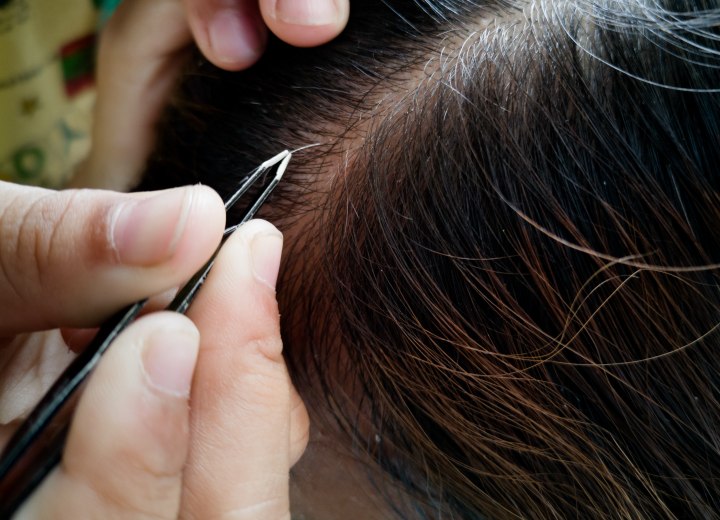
[(510, 261)]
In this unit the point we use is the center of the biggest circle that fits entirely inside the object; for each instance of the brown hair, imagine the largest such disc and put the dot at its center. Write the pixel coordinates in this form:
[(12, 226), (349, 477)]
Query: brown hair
[(517, 267)]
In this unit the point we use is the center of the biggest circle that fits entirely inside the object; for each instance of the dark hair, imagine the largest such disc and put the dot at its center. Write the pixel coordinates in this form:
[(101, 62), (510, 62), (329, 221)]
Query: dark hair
[(515, 259)]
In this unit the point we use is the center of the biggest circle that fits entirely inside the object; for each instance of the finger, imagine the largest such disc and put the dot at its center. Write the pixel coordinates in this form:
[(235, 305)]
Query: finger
[(141, 52), (71, 258), (305, 23), (245, 430), (230, 33), (128, 441), (77, 339), (29, 364)]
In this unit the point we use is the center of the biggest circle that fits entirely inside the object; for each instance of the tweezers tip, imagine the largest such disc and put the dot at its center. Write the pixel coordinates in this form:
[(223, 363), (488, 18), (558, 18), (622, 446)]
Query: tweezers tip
[(283, 166), (274, 160)]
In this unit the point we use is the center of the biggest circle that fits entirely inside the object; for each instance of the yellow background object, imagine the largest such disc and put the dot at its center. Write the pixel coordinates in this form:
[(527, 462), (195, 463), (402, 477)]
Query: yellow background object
[(46, 60)]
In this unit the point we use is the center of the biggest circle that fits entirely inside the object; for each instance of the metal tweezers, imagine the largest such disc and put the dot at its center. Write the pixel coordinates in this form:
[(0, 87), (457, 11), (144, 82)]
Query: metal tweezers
[(37, 446)]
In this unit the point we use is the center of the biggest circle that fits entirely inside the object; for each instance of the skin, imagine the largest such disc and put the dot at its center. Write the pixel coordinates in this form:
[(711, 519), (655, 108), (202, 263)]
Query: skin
[(196, 416), (303, 23), (137, 67), (174, 461)]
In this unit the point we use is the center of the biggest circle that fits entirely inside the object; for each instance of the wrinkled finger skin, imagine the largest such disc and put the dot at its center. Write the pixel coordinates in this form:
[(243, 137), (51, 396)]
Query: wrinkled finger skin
[(72, 258)]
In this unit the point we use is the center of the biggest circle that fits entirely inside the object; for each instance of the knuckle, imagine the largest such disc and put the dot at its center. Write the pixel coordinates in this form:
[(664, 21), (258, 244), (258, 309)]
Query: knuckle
[(48, 247), (25, 229), (96, 231), (90, 235), (273, 508), (268, 346), (134, 493), (154, 469), (265, 384), (51, 225), (45, 236), (11, 220)]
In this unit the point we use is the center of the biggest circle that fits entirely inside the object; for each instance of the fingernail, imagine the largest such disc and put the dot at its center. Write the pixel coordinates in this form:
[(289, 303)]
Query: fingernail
[(266, 250), (234, 37), (307, 12), (147, 232), (169, 360)]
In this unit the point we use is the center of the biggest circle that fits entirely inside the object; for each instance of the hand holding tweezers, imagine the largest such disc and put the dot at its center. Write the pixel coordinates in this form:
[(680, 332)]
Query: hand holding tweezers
[(36, 447)]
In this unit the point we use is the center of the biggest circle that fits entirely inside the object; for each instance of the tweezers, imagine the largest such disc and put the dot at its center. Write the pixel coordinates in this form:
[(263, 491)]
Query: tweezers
[(37, 445)]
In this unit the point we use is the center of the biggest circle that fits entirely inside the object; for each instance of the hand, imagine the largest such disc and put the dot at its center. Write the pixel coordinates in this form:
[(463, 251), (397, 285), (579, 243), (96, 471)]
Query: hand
[(70, 259), (128, 455), (142, 50), (248, 424), (232, 33)]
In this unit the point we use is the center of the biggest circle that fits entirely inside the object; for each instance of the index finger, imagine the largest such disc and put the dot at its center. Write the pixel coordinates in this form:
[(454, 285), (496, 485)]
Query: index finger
[(305, 23), (245, 432), (71, 258), (232, 35)]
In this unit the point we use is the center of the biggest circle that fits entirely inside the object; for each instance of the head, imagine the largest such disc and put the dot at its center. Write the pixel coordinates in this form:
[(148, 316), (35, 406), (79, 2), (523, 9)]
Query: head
[(500, 287)]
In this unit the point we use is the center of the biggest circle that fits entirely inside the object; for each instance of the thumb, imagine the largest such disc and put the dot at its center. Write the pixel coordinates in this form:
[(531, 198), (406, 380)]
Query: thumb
[(70, 258), (128, 441), (248, 426)]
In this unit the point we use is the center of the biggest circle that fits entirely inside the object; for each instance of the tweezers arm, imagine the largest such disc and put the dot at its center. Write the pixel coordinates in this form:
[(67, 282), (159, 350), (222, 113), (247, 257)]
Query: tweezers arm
[(36, 447), (187, 292)]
